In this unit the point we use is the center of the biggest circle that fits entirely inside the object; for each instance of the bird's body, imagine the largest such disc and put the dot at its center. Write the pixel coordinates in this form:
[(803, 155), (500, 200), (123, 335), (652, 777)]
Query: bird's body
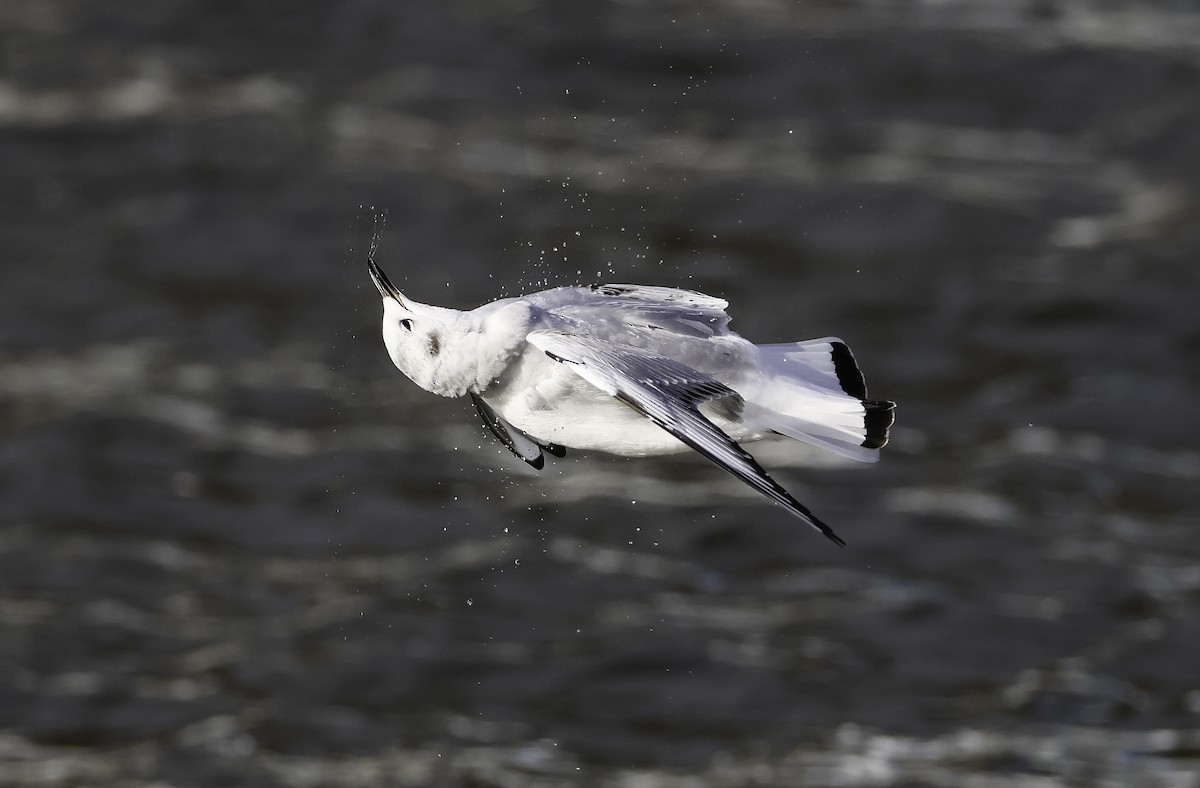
[(548, 399), (635, 370)]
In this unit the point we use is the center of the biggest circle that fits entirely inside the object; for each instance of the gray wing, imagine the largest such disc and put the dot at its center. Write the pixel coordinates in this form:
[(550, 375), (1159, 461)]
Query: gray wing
[(689, 299), (513, 439), (669, 393), (683, 312)]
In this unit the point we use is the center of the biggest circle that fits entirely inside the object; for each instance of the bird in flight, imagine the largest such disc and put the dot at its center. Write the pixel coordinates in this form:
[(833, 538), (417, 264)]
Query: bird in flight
[(635, 370)]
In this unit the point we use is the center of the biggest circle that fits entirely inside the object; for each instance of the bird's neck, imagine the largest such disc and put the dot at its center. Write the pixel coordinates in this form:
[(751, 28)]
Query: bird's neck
[(477, 347)]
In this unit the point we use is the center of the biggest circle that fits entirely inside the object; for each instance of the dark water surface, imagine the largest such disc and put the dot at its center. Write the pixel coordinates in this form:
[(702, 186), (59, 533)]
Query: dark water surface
[(237, 548)]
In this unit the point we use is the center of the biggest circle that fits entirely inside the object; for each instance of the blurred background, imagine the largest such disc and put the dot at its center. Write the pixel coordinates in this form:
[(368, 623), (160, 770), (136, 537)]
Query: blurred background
[(238, 548)]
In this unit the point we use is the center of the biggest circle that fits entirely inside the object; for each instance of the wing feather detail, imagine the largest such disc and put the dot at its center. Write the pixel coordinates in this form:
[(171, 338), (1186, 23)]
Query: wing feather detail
[(668, 393)]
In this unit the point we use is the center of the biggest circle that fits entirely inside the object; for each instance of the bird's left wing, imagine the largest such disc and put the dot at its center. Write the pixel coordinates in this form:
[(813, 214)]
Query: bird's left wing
[(668, 393)]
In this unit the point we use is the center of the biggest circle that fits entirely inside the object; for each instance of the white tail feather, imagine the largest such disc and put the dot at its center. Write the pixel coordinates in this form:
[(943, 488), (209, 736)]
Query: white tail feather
[(810, 361), (804, 394), (812, 433)]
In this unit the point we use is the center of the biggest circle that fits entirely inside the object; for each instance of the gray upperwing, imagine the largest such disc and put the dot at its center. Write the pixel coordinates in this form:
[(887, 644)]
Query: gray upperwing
[(682, 312), (668, 393)]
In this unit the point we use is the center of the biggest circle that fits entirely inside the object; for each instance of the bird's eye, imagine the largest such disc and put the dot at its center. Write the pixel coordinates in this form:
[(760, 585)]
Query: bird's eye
[(406, 324)]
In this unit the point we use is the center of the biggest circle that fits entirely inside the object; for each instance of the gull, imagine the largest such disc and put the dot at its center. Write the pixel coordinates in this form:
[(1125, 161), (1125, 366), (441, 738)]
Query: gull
[(635, 370)]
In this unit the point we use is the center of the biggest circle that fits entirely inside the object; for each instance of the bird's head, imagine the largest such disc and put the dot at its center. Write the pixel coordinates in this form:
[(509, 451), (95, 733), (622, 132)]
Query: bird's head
[(416, 336)]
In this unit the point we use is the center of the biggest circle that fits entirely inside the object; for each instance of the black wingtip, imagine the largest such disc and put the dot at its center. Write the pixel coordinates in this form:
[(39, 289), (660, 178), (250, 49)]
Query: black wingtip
[(537, 462), (849, 376), (878, 420), (822, 527), (555, 449)]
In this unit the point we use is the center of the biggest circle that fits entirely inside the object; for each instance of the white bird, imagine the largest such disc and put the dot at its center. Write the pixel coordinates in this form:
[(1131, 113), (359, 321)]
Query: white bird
[(635, 370)]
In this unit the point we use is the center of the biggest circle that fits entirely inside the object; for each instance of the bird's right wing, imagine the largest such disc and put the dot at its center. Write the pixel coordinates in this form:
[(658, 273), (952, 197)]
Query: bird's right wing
[(689, 299), (683, 312), (513, 439), (668, 393)]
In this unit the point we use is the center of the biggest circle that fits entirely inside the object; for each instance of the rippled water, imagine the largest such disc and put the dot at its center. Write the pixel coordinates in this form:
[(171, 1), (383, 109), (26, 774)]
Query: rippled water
[(237, 548)]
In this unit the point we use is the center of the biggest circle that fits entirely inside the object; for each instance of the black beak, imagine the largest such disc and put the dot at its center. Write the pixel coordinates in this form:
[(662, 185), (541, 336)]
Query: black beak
[(385, 286)]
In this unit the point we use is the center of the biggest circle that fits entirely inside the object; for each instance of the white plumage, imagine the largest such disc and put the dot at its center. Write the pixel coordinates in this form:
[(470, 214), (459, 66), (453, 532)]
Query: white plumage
[(635, 370)]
